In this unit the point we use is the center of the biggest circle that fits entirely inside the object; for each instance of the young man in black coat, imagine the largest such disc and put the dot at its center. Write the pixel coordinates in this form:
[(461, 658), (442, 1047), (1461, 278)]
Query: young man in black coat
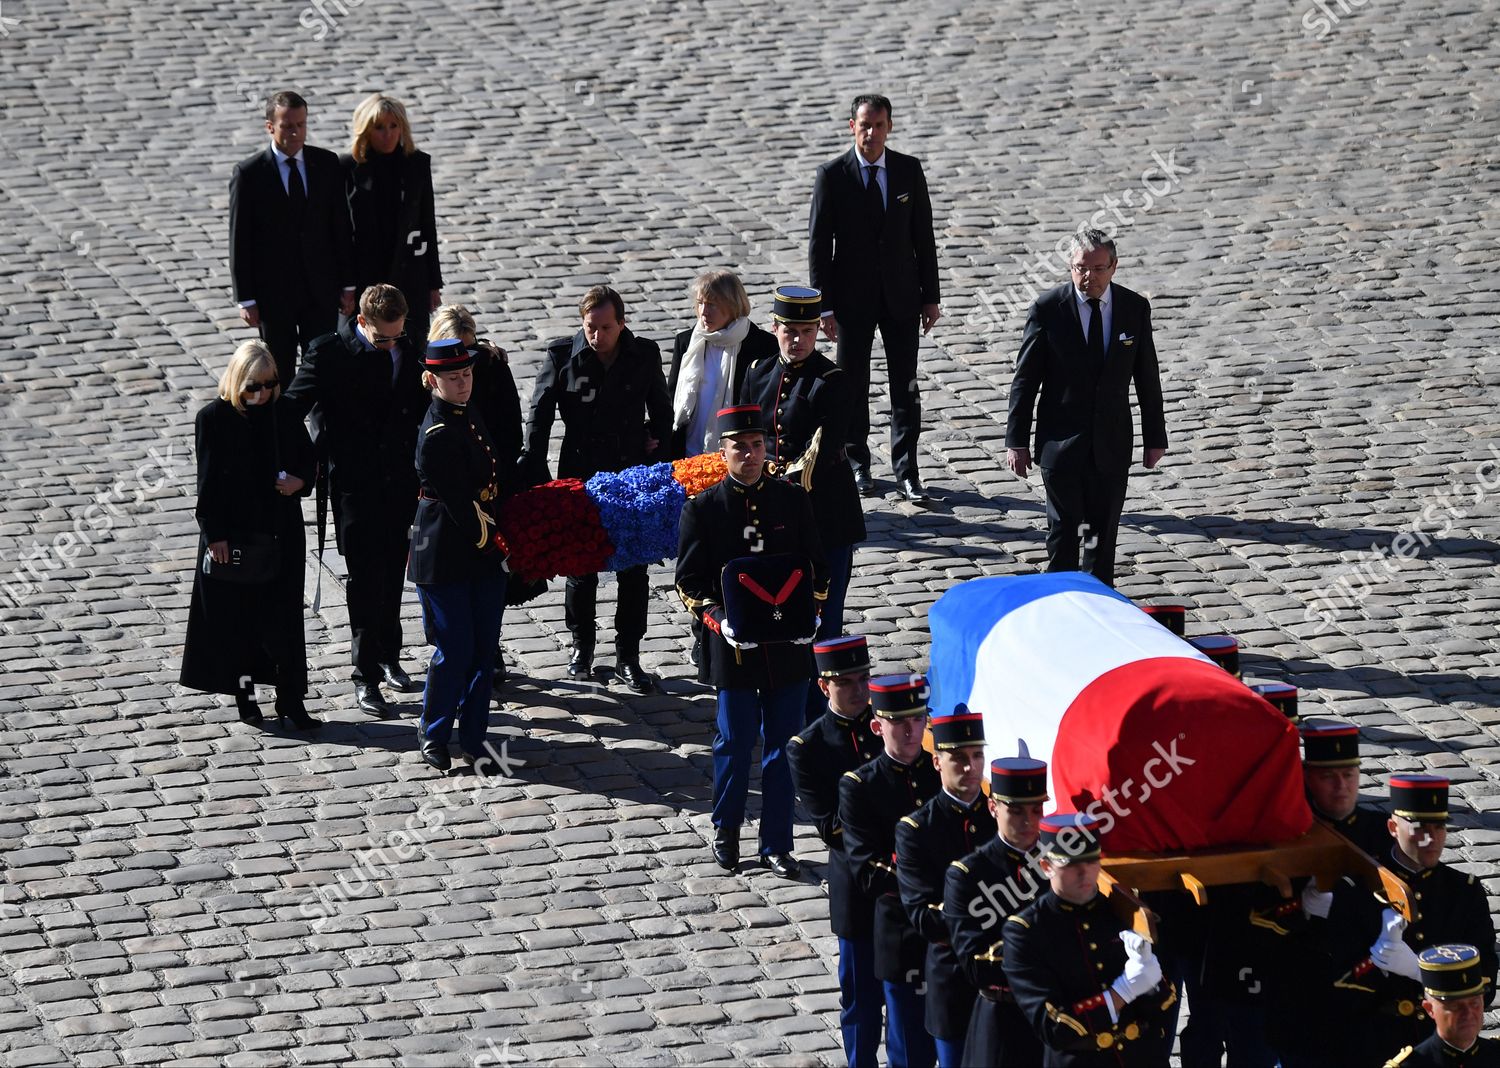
[(291, 249), (1085, 342), (872, 252), (607, 385), (362, 388)]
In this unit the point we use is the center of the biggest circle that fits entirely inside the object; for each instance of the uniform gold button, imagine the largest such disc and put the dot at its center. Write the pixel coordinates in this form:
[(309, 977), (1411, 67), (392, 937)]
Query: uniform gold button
[(1093, 945)]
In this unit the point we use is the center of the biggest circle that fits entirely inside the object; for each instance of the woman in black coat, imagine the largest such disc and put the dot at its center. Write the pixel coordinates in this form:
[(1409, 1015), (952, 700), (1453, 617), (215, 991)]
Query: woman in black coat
[(255, 463), (391, 206), (709, 360)]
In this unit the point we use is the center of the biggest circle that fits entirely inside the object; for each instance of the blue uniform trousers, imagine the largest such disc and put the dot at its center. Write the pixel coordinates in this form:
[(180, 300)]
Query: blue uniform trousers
[(774, 715), (860, 998), (462, 620), (907, 1043)]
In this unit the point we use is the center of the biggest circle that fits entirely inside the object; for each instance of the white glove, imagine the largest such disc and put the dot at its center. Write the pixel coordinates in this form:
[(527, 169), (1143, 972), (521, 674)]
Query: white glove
[(1316, 902), (1390, 953), (727, 633), (1142, 970)]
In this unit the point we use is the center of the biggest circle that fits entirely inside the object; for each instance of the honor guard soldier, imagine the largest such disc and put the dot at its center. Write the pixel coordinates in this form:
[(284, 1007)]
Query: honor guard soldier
[(952, 825), (981, 889), (871, 801), (1454, 985), (1330, 775), (841, 740), (806, 401), (455, 563), (1092, 988), (761, 676), (1377, 985)]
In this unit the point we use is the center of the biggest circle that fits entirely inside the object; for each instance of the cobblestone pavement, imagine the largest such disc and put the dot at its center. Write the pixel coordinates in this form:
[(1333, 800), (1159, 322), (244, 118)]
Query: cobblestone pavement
[(1305, 192)]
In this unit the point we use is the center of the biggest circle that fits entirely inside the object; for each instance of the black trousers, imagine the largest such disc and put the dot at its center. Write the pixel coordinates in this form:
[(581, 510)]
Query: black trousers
[(900, 335), (579, 596), (1083, 520), (374, 535), (287, 330)]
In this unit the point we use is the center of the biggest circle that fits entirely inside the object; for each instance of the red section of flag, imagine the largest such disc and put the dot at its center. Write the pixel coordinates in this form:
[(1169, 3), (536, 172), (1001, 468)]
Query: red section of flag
[(1174, 754)]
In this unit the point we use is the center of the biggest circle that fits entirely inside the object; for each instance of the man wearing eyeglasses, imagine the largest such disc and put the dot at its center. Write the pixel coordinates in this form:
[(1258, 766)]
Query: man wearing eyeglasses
[(1085, 342), (362, 388)]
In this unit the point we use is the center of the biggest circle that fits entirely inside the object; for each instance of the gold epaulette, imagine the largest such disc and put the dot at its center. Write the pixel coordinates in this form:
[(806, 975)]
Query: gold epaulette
[(911, 823), (960, 866), (1017, 919)]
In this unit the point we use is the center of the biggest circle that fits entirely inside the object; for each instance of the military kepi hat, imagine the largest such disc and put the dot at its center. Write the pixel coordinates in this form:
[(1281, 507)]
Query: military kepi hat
[(797, 304), (1420, 797), (447, 354), (1328, 743), (740, 419), (847, 655), (1018, 780), (1451, 971), (1282, 696), (957, 729), (1069, 837), (899, 696)]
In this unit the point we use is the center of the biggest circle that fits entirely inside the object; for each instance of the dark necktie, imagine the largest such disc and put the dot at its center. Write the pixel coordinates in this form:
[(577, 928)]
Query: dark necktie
[(296, 192), (872, 192), (1096, 329)]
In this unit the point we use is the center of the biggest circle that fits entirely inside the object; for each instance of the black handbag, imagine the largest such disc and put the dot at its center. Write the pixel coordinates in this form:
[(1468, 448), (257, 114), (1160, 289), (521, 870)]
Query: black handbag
[(253, 558)]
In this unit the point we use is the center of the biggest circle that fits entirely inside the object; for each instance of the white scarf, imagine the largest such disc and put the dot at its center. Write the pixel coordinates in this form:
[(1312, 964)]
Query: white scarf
[(690, 374)]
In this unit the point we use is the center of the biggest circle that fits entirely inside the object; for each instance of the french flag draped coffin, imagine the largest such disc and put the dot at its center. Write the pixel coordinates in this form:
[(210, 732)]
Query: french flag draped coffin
[(1169, 751)]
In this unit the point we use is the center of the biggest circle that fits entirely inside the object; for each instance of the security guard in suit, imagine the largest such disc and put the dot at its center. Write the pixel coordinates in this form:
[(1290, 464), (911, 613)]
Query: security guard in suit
[(871, 801), (1453, 983), (840, 740), (761, 687), (455, 562), (1377, 987), (981, 889), (1092, 988), (951, 825), (806, 400)]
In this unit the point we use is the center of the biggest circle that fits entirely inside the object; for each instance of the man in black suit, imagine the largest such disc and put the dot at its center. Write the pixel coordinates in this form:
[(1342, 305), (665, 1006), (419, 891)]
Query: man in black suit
[(1085, 341), (363, 389), (873, 255), (290, 244)]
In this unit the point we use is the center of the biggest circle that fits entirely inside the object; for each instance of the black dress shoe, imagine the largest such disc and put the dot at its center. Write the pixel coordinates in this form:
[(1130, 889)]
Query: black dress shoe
[(863, 482), (784, 865), (293, 713), (436, 755), (727, 848), (501, 674), (581, 663), (367, 696), (398, 680), (912, 490), (249, 711), (632, 675)]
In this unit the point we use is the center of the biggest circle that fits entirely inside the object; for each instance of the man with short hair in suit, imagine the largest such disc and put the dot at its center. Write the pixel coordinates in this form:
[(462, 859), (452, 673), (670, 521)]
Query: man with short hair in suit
[(291, 247), (1085, 342), (872, 253)]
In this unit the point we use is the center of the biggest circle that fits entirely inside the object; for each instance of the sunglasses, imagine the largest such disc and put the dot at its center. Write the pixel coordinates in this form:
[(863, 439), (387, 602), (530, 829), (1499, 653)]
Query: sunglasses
[(381, 339), (255, 387)]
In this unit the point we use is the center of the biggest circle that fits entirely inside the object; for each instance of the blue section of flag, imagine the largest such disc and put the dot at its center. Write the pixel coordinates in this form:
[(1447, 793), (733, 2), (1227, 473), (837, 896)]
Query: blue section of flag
[(964, 616)]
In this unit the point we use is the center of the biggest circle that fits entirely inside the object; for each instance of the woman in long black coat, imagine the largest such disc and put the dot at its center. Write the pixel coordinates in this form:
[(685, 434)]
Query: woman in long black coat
[(255, 463), (391, 206)]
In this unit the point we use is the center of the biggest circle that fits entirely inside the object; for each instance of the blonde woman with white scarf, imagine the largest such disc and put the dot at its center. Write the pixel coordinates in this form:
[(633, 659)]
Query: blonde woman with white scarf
[(709, 360)]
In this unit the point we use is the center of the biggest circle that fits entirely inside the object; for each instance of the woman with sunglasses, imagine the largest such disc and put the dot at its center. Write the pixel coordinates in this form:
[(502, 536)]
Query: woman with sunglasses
[(255, 463)]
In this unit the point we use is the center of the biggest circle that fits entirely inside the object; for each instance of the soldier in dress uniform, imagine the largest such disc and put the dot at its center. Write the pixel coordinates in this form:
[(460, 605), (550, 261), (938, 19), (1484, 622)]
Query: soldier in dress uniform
[(1377, 988), (998, 879), (1330, 775), (871, 801), (806, 400), (762, 687), (841, 740), (952, 825), (455, 563), (1454, 984), (1091, 987)]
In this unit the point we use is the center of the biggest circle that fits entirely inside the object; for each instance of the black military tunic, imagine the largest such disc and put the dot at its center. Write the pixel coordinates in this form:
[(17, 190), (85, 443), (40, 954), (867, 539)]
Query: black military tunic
[(800, 400), (1383, 1012), (927, 841), (453, 533), (826, 748), (871, 801), (1365, 827), (727, 522), (1060, 959), (1435, 1053), (980, 891)]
